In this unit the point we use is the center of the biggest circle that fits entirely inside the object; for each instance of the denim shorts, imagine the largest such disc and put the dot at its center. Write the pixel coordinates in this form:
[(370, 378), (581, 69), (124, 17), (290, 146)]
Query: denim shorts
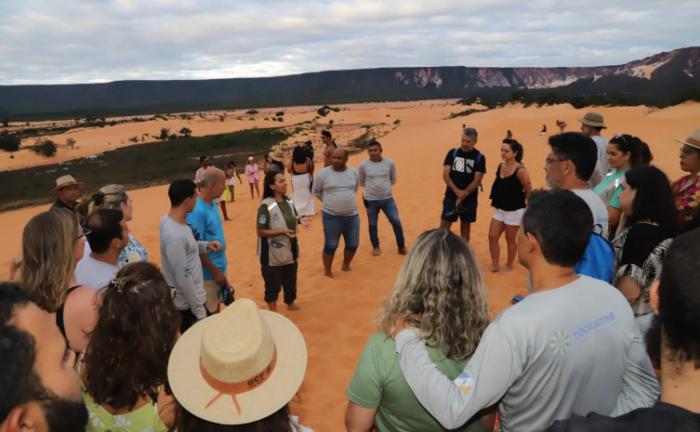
[(335, 226), (468, 207)]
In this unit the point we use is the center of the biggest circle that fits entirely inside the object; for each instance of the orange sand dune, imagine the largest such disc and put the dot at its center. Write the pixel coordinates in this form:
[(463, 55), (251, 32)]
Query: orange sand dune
[(338, 314)]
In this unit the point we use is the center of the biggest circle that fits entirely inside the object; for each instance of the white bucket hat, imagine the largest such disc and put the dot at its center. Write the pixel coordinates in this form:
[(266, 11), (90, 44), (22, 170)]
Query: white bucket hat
[(238, 366)]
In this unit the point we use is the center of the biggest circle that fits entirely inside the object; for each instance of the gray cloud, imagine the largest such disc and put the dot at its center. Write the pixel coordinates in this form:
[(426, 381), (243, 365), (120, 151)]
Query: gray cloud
[(45, 41)]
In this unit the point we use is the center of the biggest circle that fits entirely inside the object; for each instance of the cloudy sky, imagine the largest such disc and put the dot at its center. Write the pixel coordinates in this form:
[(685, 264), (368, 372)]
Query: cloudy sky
[(55, 41)]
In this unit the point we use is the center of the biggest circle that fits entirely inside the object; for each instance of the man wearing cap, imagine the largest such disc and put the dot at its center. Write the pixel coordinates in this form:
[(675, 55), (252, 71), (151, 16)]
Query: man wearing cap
[(591, 125), (463, 169), (67, 192), (687, 188)]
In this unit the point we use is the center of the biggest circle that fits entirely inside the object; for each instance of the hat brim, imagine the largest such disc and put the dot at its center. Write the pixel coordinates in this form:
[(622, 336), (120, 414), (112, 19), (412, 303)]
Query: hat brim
[(193, 393), (81, 184), (587, 123), (695, 146)]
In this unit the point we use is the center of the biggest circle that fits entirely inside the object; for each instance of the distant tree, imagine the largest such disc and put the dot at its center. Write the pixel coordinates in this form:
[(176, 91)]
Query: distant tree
[(70, 142), (45, 148), (323, 111), (134, 139), (172, 136), (186, 132), (279, 114), (164, 133), (9, 142), (251, 112)]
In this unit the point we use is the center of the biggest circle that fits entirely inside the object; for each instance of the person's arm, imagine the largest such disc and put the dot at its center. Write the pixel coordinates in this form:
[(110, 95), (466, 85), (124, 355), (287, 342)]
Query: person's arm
[(450, 184), (524, 177), (361, 175), (392, 174), (85, 308), (310, 166), (474, 185), (219, 277), (177, 257), (640, 388), (317, 188), (359, 419), (629, 288), (484, 381)]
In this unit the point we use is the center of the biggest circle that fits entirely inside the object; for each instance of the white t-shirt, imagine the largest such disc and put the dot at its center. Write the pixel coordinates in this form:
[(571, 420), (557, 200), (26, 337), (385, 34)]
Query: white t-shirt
[(597, 206), (94, 273)]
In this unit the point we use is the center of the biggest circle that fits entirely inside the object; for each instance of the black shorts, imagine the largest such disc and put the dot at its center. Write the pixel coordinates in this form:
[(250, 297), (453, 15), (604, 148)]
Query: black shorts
[(466, 211)]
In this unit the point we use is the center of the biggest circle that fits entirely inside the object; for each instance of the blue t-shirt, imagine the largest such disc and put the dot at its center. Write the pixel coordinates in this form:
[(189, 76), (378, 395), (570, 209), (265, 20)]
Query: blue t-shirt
[(206, 224)]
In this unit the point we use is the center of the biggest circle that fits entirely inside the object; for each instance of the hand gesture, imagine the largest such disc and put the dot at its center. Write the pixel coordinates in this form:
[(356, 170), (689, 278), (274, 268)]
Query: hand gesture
[(214, 246)]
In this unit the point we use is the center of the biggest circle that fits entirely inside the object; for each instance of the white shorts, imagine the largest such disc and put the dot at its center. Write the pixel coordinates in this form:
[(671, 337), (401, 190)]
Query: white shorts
[(511, 218)]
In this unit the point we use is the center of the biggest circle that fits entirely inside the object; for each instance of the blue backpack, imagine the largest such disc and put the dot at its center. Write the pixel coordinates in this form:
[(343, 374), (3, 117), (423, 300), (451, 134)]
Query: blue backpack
[(598, 260)]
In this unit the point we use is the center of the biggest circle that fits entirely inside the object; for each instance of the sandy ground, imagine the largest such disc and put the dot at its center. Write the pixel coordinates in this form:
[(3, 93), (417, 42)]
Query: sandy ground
[(338, 314)]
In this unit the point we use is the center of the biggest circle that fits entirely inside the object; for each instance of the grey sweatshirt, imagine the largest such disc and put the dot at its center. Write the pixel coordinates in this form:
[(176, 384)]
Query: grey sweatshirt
[(337, 190), (377, 178), (182, 267), (572, 350)]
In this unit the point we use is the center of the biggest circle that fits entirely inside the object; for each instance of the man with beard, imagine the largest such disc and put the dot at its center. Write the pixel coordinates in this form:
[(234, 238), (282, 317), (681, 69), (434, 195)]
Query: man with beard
[(39, 389)]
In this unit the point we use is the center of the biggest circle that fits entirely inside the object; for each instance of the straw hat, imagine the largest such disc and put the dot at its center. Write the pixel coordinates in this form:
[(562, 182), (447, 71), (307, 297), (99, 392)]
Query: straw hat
[(593, 119), (250, 158), (277, 154), (65, 181), (693, 140), (238, 366)]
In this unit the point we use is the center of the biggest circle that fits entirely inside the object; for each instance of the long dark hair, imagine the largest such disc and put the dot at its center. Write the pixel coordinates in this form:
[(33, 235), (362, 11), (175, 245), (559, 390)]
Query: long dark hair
[(654, 198), (299, 155), (638, 149), (516, 147), (277, 422), (136, 328), (267, 182)]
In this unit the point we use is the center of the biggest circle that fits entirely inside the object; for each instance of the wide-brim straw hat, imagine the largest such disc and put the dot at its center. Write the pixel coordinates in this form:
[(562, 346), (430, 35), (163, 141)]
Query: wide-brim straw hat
[(693, 139), (238, 366), (65, 181), (593, 119), (277, 154)]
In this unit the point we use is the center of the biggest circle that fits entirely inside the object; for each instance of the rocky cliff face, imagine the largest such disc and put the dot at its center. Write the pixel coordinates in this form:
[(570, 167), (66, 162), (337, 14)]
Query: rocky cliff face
[(542, 78)]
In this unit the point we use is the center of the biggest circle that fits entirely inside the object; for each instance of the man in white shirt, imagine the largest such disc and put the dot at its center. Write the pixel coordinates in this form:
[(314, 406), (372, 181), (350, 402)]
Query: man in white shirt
[(107, 235), (591, 125), (569, 165)]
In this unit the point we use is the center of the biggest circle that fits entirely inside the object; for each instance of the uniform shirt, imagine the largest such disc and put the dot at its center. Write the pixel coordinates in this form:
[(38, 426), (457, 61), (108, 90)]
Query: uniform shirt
[(571, 350)]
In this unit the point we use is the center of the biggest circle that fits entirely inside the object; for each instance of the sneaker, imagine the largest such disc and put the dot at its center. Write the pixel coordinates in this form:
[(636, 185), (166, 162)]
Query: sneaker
[(376, 252)]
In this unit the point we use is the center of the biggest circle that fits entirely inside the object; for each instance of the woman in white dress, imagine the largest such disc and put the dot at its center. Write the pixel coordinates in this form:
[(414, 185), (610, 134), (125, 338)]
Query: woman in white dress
[(302, 170)]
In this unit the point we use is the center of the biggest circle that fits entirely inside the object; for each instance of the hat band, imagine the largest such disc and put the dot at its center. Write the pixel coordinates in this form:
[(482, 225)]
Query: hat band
[(234, 389), (693, 141)]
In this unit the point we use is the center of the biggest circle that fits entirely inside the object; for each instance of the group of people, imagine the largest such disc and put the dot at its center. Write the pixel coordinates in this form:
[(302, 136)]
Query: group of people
[(97, 338)]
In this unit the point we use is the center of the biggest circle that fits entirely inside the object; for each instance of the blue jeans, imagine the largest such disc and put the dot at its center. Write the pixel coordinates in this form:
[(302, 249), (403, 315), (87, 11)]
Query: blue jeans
[(391, 211), (335, 226)]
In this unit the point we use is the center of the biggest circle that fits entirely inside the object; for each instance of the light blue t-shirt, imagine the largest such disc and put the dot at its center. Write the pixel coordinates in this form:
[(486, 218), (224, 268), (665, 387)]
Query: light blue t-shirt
[(207, 225)]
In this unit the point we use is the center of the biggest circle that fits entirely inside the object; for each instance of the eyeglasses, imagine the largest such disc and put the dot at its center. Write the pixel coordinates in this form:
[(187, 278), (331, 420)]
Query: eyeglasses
[(84, 234)]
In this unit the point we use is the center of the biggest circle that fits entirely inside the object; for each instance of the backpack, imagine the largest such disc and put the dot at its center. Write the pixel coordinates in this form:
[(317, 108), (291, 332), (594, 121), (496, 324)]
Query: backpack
[(598, 260)]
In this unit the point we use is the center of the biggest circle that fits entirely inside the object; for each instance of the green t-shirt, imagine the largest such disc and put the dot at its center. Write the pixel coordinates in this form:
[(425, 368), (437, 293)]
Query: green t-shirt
[(610, 188), (142, 419), (263, 222), (379, 383)]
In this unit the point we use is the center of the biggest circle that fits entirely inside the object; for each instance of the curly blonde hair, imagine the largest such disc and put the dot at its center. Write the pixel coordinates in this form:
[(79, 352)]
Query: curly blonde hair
[(111, 196), (440, 291), (48, 257)]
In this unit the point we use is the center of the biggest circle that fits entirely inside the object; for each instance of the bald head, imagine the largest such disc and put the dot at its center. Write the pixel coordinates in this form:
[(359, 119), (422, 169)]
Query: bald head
[(339, 159), (212, 183)]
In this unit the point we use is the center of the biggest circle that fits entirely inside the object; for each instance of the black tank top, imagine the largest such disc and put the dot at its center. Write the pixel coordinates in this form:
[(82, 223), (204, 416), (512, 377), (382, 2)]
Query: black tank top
[(59, 314), (507, 193)]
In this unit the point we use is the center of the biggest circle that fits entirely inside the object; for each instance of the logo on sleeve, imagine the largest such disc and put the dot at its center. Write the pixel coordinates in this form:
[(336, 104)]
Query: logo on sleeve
[(464, 382), (262, 219)]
